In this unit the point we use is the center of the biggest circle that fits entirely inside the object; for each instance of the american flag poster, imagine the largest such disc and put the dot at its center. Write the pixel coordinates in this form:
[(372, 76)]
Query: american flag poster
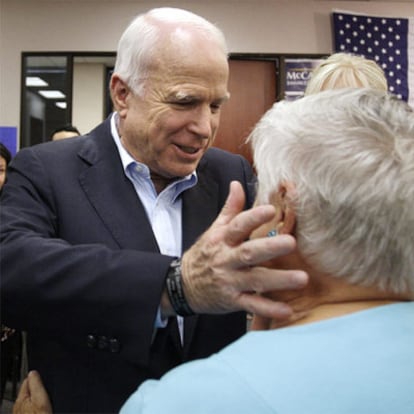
[(387, 40)]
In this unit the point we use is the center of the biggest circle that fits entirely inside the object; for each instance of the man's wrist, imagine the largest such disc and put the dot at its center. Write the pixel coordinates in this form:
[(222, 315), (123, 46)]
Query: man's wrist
[(175, 290)]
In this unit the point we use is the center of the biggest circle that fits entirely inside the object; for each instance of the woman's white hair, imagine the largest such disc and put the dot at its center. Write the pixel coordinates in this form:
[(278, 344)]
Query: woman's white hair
[(350, 153), (142, 39)]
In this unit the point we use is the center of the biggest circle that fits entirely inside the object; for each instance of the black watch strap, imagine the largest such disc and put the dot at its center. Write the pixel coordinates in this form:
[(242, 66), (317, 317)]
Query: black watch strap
[(175, 290)]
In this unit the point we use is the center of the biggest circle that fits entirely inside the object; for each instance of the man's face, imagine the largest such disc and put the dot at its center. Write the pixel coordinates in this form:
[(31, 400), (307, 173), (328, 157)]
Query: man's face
[(170, 127)]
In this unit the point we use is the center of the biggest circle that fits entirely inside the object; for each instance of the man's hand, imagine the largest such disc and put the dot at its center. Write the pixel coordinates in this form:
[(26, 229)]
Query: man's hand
[(221, 272), (32, 398)]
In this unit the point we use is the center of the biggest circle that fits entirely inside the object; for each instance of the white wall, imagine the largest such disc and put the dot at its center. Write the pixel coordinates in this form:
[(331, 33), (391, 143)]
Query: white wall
[(251, 26), (88, 96)]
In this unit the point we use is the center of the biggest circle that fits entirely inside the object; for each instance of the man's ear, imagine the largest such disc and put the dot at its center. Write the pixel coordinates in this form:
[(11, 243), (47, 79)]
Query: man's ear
[(119, 94), (286, 194)]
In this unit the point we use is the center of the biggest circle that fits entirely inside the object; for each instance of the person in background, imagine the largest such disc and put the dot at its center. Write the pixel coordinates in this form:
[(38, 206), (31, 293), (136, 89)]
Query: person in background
[(135, 242), (5, 158), (10, 343), (338, 168), (344, 70), (66, 131)]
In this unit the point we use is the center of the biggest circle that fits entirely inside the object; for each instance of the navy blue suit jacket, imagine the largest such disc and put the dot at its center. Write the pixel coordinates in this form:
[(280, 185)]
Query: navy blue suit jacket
[(82, 272)]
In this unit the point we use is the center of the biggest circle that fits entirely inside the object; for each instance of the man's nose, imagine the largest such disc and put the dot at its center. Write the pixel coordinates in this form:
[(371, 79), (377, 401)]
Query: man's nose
[(202, 121)]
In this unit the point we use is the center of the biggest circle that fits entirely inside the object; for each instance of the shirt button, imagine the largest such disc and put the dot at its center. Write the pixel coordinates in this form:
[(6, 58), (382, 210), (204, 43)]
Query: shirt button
[(91, 341), (102, 343), (114, 345)]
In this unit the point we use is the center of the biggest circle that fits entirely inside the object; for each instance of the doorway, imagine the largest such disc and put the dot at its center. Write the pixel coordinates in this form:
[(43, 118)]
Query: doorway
[(253, 90)]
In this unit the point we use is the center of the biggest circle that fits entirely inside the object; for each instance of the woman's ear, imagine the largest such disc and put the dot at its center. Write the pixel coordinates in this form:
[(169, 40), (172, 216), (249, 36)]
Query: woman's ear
[(287, 193), (119, 94)]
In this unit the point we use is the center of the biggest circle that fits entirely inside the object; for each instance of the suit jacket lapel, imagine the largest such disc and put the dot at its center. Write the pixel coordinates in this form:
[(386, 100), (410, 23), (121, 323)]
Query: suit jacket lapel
[(116, 200)]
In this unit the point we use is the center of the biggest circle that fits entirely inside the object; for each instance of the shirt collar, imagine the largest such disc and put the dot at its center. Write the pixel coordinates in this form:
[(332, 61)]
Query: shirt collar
[(128, 162)]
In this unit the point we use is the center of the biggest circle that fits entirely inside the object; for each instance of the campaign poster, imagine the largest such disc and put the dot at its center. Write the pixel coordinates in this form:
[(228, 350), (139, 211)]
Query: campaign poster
[(297, 74)]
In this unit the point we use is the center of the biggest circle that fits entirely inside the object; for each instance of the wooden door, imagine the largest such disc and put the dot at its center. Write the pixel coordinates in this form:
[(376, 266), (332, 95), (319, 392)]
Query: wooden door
[(252, 87)]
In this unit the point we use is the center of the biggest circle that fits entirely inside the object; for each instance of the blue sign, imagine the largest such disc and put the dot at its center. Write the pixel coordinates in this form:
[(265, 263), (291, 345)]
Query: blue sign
[(8, 137)]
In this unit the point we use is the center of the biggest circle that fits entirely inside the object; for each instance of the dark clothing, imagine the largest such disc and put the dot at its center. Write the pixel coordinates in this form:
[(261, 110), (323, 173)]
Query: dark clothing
[(82, 272), (11, 359)]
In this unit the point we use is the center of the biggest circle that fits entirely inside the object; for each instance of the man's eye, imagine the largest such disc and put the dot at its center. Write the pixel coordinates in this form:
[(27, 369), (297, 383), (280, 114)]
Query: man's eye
[(215, 107), (183, 104)]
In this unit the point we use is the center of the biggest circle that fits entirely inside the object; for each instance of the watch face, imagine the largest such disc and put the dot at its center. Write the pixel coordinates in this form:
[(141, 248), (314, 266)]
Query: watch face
[(175, 269), (175, 263)]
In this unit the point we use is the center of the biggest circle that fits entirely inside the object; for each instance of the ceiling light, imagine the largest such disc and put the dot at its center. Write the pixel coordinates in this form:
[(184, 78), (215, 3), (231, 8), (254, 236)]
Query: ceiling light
[(35, 81), (52, 94), (61, 105)]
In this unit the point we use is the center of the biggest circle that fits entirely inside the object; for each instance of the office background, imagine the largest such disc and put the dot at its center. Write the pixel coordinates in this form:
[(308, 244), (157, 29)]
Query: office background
[(250, 26)]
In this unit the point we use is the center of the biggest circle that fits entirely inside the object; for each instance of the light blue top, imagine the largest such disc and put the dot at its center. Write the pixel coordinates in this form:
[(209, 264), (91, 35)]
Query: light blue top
[(361, 363)]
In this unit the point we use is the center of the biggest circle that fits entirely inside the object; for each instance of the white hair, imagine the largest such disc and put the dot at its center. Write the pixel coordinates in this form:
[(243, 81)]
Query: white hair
[(350, 153), (140, 41)]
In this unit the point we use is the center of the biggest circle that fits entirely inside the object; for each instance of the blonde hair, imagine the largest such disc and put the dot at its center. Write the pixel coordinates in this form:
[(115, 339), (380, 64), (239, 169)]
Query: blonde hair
[(342, 70)]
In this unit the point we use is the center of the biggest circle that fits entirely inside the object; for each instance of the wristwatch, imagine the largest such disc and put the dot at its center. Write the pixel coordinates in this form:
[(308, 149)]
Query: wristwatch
[(175, 289)]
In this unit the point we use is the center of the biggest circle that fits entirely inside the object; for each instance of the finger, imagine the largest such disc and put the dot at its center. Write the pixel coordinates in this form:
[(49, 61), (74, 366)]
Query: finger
[(23, 392), (265, 307), (37, 390), (257, 251), (262, 280), (234, 204), (35, 383), (259, 323), (243, 224)]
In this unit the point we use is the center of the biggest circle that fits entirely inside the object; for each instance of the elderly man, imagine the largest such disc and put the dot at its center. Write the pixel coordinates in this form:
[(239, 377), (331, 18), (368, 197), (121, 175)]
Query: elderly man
[(97, 263)]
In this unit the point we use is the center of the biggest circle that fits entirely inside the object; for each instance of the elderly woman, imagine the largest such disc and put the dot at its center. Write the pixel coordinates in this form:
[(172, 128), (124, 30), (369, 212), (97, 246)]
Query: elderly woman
[(338, 167)]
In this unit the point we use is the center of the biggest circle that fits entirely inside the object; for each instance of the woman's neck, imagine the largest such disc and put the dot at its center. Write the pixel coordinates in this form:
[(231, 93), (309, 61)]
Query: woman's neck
[(334, 310), (321, 312), (327, 297)]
